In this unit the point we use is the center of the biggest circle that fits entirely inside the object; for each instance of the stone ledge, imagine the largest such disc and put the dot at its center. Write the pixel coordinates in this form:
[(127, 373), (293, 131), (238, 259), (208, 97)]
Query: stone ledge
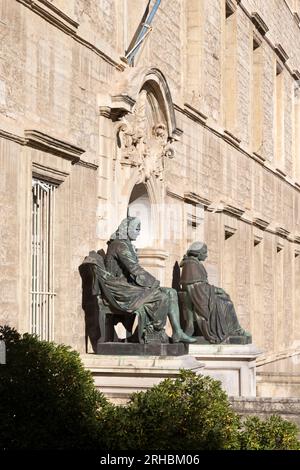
[(120, 376), (287, 408), (138, 349), (233, 365), (246, 351), (47, 143), (283, 56), (259, 23)]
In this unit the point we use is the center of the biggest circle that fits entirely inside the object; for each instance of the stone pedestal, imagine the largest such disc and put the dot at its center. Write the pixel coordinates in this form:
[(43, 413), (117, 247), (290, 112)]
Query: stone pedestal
[(119, 376), (139, 349), (233, 365)]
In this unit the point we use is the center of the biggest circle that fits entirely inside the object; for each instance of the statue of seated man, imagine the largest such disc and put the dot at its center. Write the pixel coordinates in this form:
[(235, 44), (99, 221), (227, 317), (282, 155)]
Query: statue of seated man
[(205, 305), (132, 289)]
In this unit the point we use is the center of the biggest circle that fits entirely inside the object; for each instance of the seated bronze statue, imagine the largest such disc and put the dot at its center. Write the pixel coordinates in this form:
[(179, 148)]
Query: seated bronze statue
[(206, 309), (117, 285)]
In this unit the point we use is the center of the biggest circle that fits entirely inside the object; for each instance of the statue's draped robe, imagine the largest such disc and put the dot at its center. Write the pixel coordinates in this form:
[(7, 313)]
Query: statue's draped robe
[(133, 288), (214, 312), (128, 288)]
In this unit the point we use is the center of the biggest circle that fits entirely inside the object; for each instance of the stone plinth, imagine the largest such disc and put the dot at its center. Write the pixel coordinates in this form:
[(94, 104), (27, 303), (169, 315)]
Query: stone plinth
[(119, 376), (233, 365), (139, 349)]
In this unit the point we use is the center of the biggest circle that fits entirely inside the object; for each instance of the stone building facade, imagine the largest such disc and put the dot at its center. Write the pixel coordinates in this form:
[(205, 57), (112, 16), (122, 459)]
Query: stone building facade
[(201, 137)]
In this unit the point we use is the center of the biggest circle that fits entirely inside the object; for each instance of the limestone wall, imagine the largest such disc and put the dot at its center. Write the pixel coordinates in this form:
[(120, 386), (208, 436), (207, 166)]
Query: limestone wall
[(287, 408), (234, 178)]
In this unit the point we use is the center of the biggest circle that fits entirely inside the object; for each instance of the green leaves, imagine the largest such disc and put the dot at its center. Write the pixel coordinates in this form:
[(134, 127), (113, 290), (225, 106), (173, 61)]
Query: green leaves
[(47, 398), (49, 401), (188, 413), (191, 412), (273, 433)]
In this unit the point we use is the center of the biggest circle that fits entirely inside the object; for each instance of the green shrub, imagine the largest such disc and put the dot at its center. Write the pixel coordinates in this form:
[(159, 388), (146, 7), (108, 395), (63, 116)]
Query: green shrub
[(273, 433), (47, 398), (48, 401), (190, 412)]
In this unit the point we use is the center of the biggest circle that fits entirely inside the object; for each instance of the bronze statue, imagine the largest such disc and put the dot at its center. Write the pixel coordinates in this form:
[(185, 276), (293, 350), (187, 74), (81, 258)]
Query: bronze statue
[(204, 306), (127, 289)]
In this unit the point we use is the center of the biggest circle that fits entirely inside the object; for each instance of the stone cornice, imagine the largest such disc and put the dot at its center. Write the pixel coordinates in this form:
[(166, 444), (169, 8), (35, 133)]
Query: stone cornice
[(119, 106), (177, 133), (51, 174), (282, 232), (229, 137), (297, 238), (247, 217), (174, 195), (281, 52), (259, 157), (215, 207), (281, 172), (232, 210), (219, 132), (296, 17), (194, 198), (260, 223), (60, 20), (53, 15), (14, 137), (296, 74), (91, 166), (193, 113), (39, 140), (46, 143), (259, 23)]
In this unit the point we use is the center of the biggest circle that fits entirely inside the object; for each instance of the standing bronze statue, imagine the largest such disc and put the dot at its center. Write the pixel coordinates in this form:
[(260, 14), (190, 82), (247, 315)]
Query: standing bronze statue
[(204, 306)]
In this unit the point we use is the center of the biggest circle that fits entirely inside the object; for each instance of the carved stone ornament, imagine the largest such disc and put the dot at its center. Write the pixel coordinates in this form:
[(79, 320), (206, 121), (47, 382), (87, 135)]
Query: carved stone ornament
[(142, 142)]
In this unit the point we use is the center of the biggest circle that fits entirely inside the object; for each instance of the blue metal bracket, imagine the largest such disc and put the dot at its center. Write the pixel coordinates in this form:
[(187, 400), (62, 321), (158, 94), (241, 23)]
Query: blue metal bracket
[(142, 32)]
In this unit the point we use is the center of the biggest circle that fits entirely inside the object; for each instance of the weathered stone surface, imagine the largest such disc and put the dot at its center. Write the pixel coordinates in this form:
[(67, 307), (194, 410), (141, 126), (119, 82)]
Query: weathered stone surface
[(137, 349), (234, 365), (120, 376), (287, 408), (54, 76)]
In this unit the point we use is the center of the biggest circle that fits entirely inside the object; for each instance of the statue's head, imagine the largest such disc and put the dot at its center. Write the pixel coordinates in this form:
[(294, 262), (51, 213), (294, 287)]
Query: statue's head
[(129, 228), (198, 250), (134, 228)]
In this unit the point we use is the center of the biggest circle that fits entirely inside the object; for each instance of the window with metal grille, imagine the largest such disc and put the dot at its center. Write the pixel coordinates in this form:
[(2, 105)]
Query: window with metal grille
[(42, 259)]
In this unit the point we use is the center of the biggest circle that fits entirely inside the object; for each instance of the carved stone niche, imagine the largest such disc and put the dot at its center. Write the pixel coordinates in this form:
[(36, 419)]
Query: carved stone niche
[(142, 137), (142, 109)]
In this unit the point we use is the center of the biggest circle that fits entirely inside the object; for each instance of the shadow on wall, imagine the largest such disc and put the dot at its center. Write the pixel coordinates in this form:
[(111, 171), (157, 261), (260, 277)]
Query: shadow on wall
[(176, 276)]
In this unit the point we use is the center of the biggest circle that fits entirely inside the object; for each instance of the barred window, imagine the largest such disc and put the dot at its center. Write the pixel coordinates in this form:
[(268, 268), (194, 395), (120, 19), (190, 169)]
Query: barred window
[(42, 258)]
